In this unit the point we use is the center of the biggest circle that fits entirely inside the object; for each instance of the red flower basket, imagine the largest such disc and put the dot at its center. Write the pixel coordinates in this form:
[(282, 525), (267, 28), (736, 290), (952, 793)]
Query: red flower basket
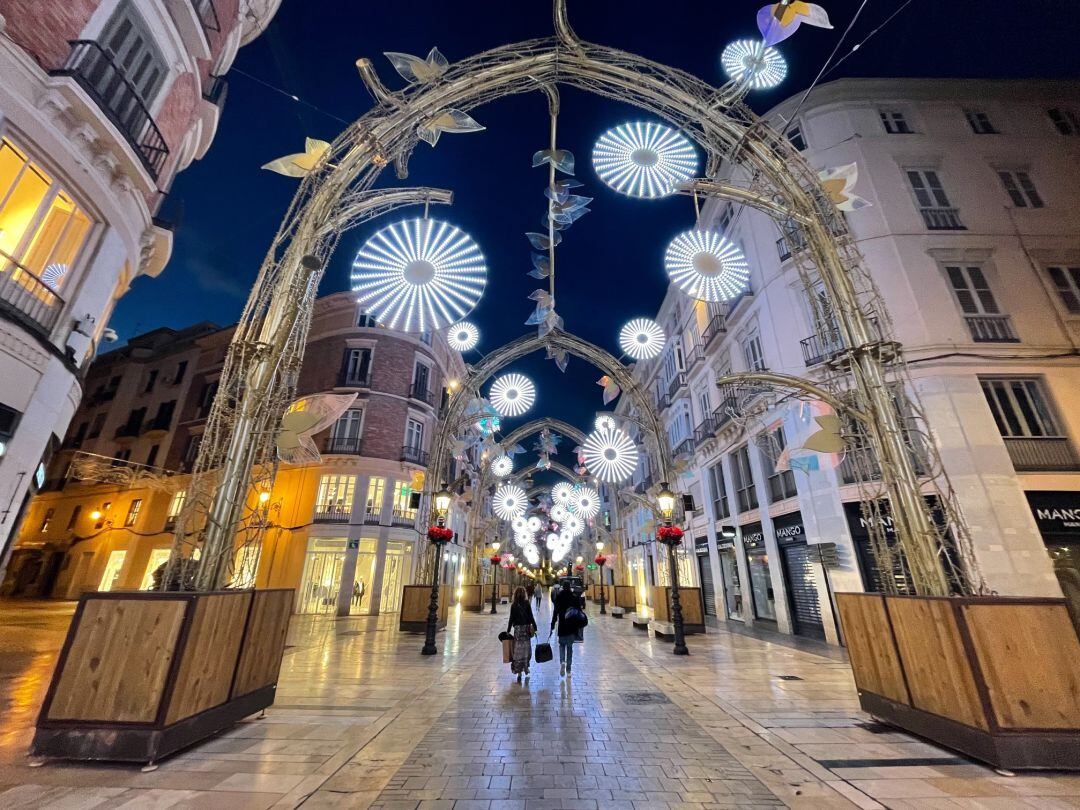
[(579, 567), (495, 559), (600, 559), (670, 535), (440, 534)]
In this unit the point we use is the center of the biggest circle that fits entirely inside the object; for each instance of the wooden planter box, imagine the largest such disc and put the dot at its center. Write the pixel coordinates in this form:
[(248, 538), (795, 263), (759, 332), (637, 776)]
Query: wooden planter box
[(625, 597), (414, 608), (693, 609), (472, 597), (997, 678), (142, 675)]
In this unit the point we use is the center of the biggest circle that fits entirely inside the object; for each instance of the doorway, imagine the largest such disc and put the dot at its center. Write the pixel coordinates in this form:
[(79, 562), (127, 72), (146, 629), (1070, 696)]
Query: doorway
[(733, 594), (397, 570), (321, 579)]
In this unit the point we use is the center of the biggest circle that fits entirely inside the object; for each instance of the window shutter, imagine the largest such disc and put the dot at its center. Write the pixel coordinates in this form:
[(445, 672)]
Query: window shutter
[(982, 289), (1029, 189), (964, 296), (1012, 190)]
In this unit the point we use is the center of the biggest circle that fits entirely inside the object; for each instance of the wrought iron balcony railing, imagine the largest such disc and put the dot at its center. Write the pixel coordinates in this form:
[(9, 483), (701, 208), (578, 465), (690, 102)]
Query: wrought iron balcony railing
[(717, 327), (685, 447), (343, 445), (1042, 454), (333, 513), (991, 329), (107, 84), (27, 299), (942, 219), (207, 14), (678, 382), (355, 380), (414, 455), (403, 517), (705, 430), (421, 393), (724, 413)]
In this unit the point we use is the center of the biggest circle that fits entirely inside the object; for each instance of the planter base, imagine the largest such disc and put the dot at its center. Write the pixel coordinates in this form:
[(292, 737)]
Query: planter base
[(1019, 751), (419, 627), (666, 630)]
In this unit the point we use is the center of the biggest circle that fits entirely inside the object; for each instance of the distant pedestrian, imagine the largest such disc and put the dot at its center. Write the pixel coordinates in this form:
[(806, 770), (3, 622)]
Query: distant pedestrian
[(569, 614), (538, 596), (522, 624)]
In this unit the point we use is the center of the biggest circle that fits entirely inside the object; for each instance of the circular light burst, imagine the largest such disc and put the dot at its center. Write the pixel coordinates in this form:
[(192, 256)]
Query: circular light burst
[(519, 524), (462, 336), (523, 538), (586, 502), (562, 492), (558, 513), (532, 554), (610, 455), (642, 338), (535, 524), (605, 422), (559, 553), (419, 275), (512, 394), (502, 466), (750, 62), (573, 525), (552, 541), (706, 266), (644, 160), (510, 501)]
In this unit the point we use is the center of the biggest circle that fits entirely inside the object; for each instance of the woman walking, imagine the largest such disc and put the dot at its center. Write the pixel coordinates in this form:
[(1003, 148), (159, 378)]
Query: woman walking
[(568, 613), (538, 595), (523, 626)]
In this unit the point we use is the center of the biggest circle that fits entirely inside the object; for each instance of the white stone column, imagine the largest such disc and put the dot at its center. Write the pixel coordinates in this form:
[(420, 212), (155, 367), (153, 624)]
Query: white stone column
[(352, 547)]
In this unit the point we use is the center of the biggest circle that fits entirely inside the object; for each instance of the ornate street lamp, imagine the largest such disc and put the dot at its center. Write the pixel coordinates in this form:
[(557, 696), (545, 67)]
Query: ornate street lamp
[(495, 560), (671, 536), (438, 535), (600, 560)]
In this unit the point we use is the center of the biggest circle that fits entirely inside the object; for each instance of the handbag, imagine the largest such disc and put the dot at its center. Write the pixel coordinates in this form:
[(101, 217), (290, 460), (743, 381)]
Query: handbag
[(543, 652), (508, 650), (575, 618)]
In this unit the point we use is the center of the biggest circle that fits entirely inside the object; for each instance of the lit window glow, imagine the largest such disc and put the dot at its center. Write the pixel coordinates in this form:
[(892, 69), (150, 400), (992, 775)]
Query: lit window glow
[(510, 501), (502, 466), (641, 338), (462, 336), (750, 62), (512, 394), (706, 266), (610, 455), (644, 160)]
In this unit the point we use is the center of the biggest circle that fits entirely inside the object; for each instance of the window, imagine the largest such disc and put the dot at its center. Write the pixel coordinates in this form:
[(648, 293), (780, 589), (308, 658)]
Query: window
[(1020, 407), (133, 512), (206, 399), (79, 435), (796, 137), (781, 483), (74, 519), (743, 480), (1067, 122), (979, 122), (357, 366), (122, 455), (752, 354), (45, 521), (163, 419), (929, 192), (181, 369), (42, 230), (96, 426), (151, 381), (1020, 189), (151, 457), (9, 420), (421, 374), (425, 338), (366, 321), (373, 506), (1067, 282), (414, 435), (135, 56), (704, 406), (335, 497), (894, 122), (725, 217), (191, 452), (347, 426), (158, 557), (972, 291), (718, 492), (402, 496), (111, 578), (175, 505)]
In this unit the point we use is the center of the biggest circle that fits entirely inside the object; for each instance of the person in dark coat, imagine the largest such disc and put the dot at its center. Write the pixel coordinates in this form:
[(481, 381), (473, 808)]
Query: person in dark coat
[(523, 625), (565, 600)]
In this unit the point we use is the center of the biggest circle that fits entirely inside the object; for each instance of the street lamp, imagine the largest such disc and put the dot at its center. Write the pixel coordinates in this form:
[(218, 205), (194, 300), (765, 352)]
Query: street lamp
[(494, 575), (600, 560), (438, 535), (671, 538)]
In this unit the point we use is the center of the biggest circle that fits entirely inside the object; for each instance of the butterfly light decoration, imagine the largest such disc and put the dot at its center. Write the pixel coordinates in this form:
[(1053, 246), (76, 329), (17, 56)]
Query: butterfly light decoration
[(611, 388), (839, 184), (300, 163), (451, 120), (304, 418), (415, 70), (778, 21)]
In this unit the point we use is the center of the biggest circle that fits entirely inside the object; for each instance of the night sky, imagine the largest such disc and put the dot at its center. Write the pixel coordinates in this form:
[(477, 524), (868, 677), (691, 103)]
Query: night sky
[(609, 265)]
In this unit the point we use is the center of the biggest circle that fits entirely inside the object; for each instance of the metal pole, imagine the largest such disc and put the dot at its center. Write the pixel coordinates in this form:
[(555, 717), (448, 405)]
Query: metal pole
[(676, 604), (433, 605), (603, 611), (494, 586)]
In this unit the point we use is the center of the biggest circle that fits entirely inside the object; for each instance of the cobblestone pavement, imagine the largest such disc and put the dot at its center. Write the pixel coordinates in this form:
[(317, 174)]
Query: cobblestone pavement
[(363, 721)]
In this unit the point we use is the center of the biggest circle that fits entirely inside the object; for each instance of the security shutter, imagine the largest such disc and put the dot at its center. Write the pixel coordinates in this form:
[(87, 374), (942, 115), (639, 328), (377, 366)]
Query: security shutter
[(708, 593), (801, 589)]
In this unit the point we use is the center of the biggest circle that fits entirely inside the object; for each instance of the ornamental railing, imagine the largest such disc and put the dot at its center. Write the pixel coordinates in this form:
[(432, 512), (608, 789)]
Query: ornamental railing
[(991, 328), (942, 219), (342, 445), (332, 513), (414, 455), (1042, 454), (27, 299)]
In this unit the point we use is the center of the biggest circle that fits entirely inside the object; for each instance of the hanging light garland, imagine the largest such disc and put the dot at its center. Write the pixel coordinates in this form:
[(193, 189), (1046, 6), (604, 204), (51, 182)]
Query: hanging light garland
[(751, 62), (707, 266), (502, 466), (586, 502), (642, 338), (610, 455), (512, 394), (644, 160), (419, 275), (510, 501), (462, 336)]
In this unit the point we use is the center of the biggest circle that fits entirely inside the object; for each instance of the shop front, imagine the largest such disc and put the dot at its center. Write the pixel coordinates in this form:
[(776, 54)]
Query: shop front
[(729, 573), (708, 589), (799, 576), (757, 560), (1057, 514)]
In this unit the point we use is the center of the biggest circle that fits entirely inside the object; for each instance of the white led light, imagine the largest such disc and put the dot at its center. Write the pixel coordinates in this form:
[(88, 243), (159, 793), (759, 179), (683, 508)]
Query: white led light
[(644, 160), (605, 422), (558, 513), (535, 524), (566, 537), (523, 538), (462, 336), (558, 554), (510, 501), (586, 503), (532, 554), (706, 266), (610, 455), (419, 275), (750, 62), (552, 541), (502, 466), (512, 394), (562, 492), (519, 524), (573, 525), (641, 338)]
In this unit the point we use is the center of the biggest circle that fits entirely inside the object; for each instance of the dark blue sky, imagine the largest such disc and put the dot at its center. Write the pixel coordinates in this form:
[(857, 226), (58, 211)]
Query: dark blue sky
[(609, 266)]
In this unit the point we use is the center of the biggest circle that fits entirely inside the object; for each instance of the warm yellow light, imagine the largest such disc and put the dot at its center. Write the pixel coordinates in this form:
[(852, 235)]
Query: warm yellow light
[(580, 558), (666, 500), (495, 546), (599, 545), (264, 496), (95, 515), (460, 593)]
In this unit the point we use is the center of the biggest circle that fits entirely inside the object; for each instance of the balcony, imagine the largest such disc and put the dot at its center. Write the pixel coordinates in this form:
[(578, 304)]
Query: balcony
[(663, 402), (96, 73), (420, 392), (1042, 454), (27, 299), (717, 327), (414, 455), (991, 329), (705, 429), (216, 91), (792, 242), (403, 517), (724, 413), (942, 219), (355, 380), (685, 447), (678, 382), (693, 357), (342, 445), (128, 431), (821, 347), (332, 513), (207, 14), (159, 424)]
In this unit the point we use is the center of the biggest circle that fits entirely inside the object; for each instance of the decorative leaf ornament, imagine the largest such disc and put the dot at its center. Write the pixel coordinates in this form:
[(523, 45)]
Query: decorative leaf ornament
[(561, 159), (560, 356), (304, 418), (300, 163), (611, 388), (415, 70), (452, 121), (778, 21), (839, 184)]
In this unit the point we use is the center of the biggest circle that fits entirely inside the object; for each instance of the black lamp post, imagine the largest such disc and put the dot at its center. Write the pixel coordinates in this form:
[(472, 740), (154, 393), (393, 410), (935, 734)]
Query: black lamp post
[(442, 506), (494, 576), (666, 500), (600, 560)]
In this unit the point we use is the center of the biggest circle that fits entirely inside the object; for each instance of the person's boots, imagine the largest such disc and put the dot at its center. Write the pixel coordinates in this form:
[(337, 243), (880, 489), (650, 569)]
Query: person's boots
[(562, 670)]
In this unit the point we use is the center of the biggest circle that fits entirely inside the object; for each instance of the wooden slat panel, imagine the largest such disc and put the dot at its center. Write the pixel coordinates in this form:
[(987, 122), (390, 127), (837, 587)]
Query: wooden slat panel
[(415, 600), (626, 596), (119, 660), (938, 673), (689, 600), (210, 655), (870, 644), (1030, 660), (264, 643)]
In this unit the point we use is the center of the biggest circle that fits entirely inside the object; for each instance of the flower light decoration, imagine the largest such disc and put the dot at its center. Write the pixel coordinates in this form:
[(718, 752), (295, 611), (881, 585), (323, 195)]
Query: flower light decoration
[(751, 62), (706, 265), (532, 554), (644, 160), (610, 455), (558, 513), (419, 275), (502, 466), (605, 422), (561, 493), (520, 524), (462, 336), (586, 503), (512, 394), (573, 525), (552, 541), (642, 338), (510, 501), (535, 524)]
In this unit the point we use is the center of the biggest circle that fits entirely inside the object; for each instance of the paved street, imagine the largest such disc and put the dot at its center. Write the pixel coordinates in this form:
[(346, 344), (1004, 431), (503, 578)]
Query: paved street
[(362, 720)]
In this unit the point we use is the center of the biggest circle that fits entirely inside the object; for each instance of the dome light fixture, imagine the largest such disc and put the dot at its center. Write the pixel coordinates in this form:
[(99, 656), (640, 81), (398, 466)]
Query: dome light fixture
[(610, 455), (462, 336), (510, 501), (502, 466), (586, 503), (512, 394), (644, 159), (751, 62), (562, 493), (419, 275), (707, 266), (642, 338)]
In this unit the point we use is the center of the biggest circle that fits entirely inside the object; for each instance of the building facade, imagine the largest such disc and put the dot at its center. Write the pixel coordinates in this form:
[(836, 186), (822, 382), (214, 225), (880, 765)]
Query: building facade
[(973, 239), (103, 102), (342, 532)]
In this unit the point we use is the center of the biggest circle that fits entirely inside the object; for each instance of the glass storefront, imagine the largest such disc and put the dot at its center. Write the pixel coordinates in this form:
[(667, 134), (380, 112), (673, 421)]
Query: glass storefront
[(757, 559), (799, 576), (729, 570), (321, 579), (1057, 514)]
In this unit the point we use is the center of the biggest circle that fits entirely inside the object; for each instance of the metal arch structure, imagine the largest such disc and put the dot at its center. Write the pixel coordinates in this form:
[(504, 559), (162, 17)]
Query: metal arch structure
[(536, 425), (260, 371)]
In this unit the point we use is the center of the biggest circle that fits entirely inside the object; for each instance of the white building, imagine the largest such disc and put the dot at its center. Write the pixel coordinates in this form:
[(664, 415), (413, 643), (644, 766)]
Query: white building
[(974, 242), (101, 104)]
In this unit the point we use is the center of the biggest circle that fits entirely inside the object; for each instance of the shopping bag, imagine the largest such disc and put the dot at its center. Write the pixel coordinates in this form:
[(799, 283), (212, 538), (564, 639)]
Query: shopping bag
[(508, 650), (543, 652)]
